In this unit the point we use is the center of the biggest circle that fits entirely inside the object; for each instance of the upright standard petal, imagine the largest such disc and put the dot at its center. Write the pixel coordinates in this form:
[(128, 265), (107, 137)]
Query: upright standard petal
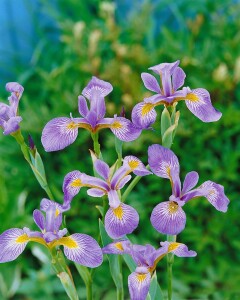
[(82, 249), (168, 218), (139, 284), (97, 86), (162, 161), (59, 133), (82, 106), (215, 195), (121, 221), (169, 67), (39, 219), (124, 129), (178, 78), (190, 181), (199, 103), (151, 83), (11, 125), (12, 243), (144, 115), (102, 168)]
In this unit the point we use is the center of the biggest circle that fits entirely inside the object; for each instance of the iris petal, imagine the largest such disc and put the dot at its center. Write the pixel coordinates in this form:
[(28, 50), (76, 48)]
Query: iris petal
[(124, 129), (150, 83), (82, 249), (168, 218), (121, 221), (138, 284), (144, 115), (12, 244)]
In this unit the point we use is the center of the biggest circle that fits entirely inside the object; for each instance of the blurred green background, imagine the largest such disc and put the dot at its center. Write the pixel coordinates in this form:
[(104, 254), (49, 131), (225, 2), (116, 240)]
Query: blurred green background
[(53, 48)]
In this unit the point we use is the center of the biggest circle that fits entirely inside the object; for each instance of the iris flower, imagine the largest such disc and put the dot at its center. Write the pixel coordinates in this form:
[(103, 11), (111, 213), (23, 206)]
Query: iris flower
[(146, 258), (9, 120), (61, 132), (168, 92), (168, 217), (120, 218), (80, 248)]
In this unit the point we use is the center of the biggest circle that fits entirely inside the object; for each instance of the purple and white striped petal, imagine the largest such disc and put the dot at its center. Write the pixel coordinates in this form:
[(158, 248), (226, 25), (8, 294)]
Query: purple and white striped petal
[(123, 181), (143, 115), (178, 78), (59, 133), (72, 184), (82, 249), (39, 219), (12, 243), (121, 221), (215, 195), (178, 249), (82, 106), (135, 165), (97, 87), (118, 247), (199, 103), (151, 83), (95, 192), (190, 181), (124, 129), (162, 161), (168, 218), (138, 285), (102, 168)]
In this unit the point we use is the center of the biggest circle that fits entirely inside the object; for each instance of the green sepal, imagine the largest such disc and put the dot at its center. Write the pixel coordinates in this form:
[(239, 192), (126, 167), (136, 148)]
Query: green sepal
[(155, 292), (100, 209), (68, 285), (84, 273), (165, 121), (39, 164)]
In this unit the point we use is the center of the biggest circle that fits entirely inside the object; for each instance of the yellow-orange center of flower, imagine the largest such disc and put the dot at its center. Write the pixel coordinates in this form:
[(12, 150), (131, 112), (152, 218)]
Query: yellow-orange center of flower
[(116, 125), (172, 207), (141, 277), (76, 183), (68, 242), (147, 107), (22, 239), (72, 125), (173, 246), (118, 212), (192, 97), (133, 164), (119, 246)]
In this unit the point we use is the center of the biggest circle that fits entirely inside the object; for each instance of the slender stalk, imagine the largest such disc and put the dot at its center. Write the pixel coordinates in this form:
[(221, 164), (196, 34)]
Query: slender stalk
[(132, 185), (87, 278), (120, 291), (170, 261), (96, 145)]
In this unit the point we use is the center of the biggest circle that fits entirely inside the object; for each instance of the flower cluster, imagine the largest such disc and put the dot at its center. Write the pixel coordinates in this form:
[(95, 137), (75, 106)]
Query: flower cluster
[(146, 258), (80, 248), (120, 219)]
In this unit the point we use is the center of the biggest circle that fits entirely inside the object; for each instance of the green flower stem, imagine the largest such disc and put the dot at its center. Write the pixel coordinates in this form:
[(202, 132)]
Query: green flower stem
[(120, 290), (87, 278), (170, 261), (64, 274), (96, 145), (26, 153), (132, 185)]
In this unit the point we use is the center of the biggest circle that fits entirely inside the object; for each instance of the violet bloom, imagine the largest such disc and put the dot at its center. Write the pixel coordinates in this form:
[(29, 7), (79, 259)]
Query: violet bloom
[(80, 248), (61, 132), (172, 79), (120, 219), (168, 217), (9, 120), (146, 258)]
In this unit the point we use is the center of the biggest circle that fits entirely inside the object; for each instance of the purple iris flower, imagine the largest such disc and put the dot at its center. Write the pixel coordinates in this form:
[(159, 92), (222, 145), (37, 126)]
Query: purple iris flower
[(9, 120), (168, 217), (80, 248), (61, 132), (120, 219), (172, 79), (146, 258)]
